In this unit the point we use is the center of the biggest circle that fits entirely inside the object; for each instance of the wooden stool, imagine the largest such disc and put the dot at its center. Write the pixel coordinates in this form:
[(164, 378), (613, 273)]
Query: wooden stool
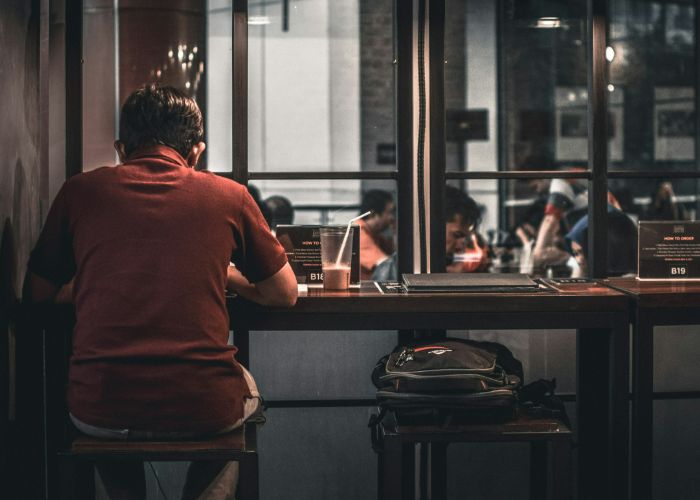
[(550, 450), (77, 462)]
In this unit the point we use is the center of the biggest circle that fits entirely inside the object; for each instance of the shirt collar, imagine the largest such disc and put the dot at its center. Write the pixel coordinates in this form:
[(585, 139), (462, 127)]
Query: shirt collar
[(158, 151)]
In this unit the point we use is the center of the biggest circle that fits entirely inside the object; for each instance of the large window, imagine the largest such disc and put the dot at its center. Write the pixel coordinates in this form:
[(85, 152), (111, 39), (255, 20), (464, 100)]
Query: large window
[(652, 52), (321, 125)]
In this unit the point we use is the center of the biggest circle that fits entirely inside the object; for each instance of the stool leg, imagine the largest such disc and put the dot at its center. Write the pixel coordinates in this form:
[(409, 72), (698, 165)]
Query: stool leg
[(561, 486), (538, 469), (438, 471), (77, 480), (248, 480), (396, 467)]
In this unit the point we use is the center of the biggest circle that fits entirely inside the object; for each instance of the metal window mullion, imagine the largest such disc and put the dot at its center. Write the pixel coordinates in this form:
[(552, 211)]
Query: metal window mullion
[(403, 81), (239, 99), (654, 174), (519, 174), (436, 211), (597, 139), (74, 86), (697, 103), (502, 131), (324, 175)]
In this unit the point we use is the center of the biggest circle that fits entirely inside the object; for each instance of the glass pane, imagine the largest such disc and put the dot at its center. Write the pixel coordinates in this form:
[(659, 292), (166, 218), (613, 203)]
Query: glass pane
[(313, 203), (515, 71), (100, 104), (653, 68), (658, 199), (515, 229), (321, 86), (219, 123), (136, 44), (642, 200), (336, 202)]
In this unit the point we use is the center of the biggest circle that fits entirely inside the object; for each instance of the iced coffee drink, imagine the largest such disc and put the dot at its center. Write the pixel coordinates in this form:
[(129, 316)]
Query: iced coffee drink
[(336, 278), (336, 253)]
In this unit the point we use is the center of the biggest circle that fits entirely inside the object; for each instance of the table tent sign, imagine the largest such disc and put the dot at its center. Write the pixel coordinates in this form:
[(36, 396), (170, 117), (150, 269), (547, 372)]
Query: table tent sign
[(302, 244), (669, 250)]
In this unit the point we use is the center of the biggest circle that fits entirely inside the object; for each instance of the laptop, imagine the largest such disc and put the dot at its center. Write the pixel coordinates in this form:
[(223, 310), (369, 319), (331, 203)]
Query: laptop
[(469, 282)]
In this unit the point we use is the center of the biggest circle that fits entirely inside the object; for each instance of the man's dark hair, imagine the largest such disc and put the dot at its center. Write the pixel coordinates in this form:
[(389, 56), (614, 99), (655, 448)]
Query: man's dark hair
[(375, 200), (160, 115), (459, 203)]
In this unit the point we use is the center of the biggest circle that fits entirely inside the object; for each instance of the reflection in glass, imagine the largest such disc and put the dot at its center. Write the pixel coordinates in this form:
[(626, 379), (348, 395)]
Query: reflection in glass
[(138, 43), (311, 201), (518, 72), (647, 200), (658, 199), (219, 122), (298, 202), (653, 63), (503, 236), (321, 86)]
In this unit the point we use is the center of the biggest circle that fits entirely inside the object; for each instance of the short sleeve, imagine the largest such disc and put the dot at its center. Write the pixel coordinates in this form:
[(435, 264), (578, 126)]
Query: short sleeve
[(561, 196), (259, 255), (53, 258)]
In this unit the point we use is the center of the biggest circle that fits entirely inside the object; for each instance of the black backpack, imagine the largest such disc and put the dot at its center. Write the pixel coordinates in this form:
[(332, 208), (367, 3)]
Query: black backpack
[(448, 381)]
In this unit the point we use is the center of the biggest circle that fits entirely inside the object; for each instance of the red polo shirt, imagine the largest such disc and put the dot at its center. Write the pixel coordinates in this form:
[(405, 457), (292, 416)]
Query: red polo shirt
[(149, 243)]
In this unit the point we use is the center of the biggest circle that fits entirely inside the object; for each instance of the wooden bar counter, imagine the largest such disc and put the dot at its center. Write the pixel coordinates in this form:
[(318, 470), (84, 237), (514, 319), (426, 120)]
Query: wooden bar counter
[(598, 313)]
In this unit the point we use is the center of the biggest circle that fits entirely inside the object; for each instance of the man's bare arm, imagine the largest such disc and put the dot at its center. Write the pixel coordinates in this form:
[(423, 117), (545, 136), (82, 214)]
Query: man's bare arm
[(546, 251), (280, 289)]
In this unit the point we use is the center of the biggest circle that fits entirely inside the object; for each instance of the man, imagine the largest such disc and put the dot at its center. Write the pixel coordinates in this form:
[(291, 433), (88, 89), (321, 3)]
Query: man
[(463, 250), (622, 244), (148, 245), (462, 215), (566, 204), (375, 246)]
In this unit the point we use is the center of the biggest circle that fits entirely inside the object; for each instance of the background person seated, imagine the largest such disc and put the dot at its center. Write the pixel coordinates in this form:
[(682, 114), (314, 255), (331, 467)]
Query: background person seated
[(465, 250), (622, 244), (463, 216), (567, 203), (375, 245), (664, 205), (281, 211)]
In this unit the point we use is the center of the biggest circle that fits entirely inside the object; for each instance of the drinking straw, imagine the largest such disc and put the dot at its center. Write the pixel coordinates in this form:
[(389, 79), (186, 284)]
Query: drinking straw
[(347, 233)]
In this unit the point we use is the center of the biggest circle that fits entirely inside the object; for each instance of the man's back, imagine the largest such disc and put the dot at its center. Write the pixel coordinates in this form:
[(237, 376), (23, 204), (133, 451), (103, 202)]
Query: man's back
[(151, 242)]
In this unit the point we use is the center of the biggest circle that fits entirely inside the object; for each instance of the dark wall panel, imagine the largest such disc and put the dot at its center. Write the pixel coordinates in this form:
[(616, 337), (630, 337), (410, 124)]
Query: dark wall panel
[(317, 453), (20, 190), (317, 365), (19, 135)]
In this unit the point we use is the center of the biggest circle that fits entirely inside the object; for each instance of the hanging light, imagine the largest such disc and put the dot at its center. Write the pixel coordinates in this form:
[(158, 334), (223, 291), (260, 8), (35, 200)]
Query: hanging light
[(258, 20), (548, 22), (609, 54)]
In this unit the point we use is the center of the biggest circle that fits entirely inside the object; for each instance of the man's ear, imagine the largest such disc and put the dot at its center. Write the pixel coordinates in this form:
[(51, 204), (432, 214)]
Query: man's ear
[(197, 150), (121, 151)]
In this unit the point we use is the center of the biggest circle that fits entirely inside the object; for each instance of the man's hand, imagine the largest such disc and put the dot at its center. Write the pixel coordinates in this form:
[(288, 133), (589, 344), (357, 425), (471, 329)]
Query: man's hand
[(546, 251), (280, 289)]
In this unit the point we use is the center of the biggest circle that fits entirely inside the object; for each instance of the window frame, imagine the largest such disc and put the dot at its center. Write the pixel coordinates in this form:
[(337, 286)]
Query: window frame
[(597, 174)]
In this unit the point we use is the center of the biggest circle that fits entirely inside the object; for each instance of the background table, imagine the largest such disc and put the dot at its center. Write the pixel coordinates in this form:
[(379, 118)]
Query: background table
[(655, 303), (598, 313)]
